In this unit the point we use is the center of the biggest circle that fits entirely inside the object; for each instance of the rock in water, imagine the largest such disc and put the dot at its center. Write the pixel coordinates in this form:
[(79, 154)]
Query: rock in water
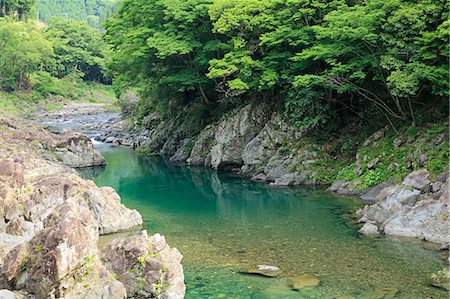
[(441, 279), (264, 270), (369, 229), (276, 292), (381, 293), (403, 211), (303, 281)]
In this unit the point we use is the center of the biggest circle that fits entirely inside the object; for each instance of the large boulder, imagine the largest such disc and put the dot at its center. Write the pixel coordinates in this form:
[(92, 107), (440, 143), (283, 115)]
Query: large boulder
[(69, 237), (404, 211), (111, 216), (261, 148), (76, 150), (417, 179), (233, 133), (147, 266), (182, 152)]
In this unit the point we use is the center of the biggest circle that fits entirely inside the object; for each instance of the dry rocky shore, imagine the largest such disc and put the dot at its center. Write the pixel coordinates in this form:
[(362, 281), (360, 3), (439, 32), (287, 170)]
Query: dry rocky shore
[(51, 220)]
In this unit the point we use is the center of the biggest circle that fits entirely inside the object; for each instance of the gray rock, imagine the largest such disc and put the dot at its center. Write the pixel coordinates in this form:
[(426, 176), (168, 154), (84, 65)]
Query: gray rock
[(76, 150), (147, 266), (369, 229), (16, 227), (263, 270), (202, 147), (398, 141), (372, 163), (110, 139), (417, 179), (7, 294), (338, 185), (403, 211), (422, 159), (233, 133), (288, 179), (371, 194), (170, 146), (260, 177), (181, 154), (436, 186)]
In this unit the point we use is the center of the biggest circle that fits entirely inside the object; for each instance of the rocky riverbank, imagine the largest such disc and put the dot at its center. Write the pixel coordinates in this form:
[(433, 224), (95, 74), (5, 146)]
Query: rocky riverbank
[(257, 142), (51, 220)]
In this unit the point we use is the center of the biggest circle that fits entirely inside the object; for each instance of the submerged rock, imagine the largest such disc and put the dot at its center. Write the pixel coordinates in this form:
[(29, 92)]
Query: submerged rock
[(441, 279), (303, 281), (275, 292), (379, 293), (264, 270)]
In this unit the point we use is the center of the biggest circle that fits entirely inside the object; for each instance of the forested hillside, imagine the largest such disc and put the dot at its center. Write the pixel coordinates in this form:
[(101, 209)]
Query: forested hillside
[(95, 12), (67, 59), (324, 62)]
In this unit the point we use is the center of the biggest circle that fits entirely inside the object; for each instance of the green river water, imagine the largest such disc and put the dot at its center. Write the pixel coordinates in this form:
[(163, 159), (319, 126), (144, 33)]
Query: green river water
[(222, 223)]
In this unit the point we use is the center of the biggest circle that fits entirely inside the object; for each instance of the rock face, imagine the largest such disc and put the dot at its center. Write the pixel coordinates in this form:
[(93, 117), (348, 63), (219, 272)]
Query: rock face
[(50, 222), (404, 211), (201, 151), (147, 266), (232, 135), (253, 140)]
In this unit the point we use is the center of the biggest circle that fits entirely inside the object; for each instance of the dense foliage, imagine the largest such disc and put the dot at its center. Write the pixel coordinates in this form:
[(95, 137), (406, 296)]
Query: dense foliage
[(20, 9), (78, 49), (32, 58), (318, 58), (95, 12), (23, 50)]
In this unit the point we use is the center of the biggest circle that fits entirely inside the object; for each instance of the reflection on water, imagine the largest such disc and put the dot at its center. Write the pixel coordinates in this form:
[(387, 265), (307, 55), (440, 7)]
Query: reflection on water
[(90, 173), (222, 223)]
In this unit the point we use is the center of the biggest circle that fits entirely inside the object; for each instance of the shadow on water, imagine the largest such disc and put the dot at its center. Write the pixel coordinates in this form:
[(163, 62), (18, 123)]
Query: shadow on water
[(222, 223)]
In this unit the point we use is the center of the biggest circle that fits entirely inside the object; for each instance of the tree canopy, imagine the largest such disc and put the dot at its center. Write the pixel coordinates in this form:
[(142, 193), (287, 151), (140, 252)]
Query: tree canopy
[(78, 48), (23, 50), (316, 57), (94, 12)]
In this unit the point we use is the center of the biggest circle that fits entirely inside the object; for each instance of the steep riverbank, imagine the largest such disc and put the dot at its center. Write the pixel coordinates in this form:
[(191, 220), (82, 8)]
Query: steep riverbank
[(51, 221), (403, 175)]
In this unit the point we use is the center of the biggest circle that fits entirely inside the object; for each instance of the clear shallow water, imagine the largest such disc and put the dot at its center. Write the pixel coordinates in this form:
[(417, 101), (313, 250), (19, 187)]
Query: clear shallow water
[(222, 223)]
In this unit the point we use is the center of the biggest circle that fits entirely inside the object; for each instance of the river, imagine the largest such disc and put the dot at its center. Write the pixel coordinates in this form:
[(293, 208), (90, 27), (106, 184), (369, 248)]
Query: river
[(222, 223)]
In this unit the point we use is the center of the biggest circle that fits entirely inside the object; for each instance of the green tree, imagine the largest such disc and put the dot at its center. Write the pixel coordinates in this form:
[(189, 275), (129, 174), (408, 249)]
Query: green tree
[(23, 50), (78, 48), (19, 8), (392, 54)]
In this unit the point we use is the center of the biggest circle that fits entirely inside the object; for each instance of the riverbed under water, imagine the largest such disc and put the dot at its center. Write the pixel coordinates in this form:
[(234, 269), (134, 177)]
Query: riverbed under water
[(222, 223)]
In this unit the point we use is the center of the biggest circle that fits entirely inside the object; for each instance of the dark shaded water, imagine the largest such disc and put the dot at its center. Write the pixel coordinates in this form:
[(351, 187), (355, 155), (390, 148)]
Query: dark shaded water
[(222, 223)]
